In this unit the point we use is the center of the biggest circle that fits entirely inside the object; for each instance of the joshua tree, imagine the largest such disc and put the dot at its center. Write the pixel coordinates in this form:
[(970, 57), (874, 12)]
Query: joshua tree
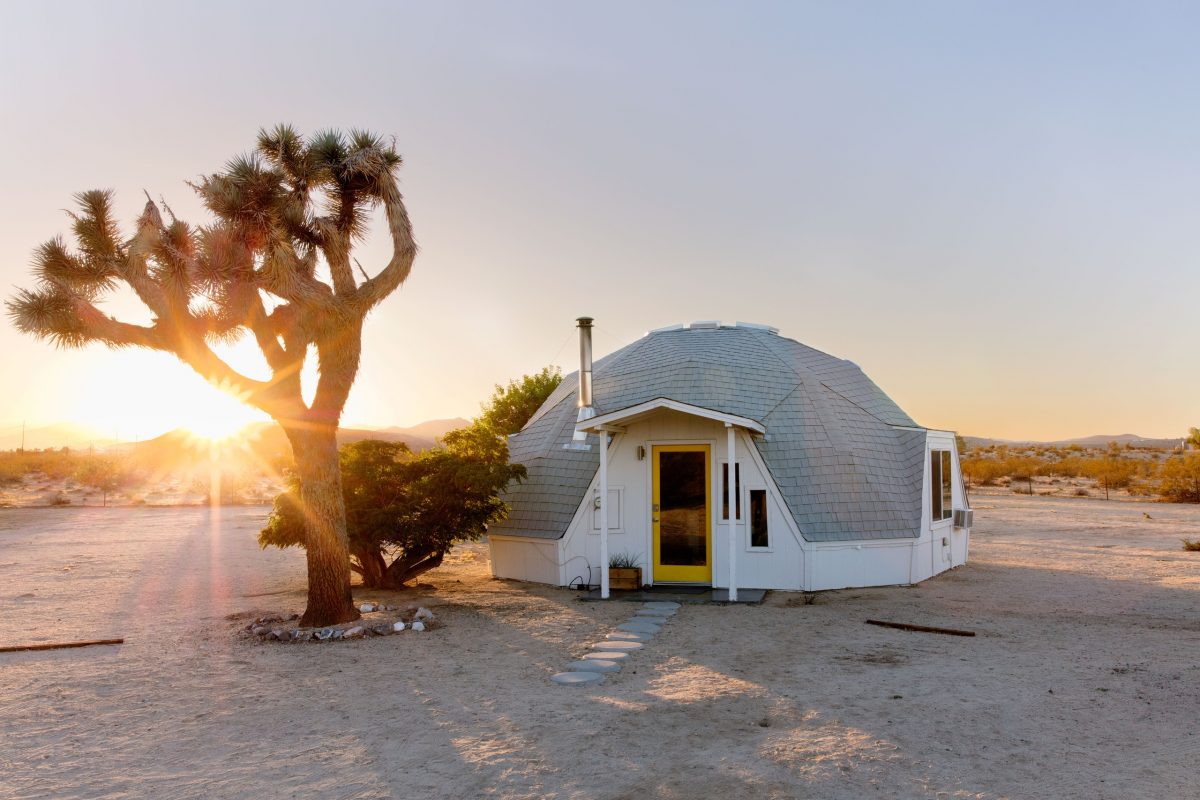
[(285, 215)]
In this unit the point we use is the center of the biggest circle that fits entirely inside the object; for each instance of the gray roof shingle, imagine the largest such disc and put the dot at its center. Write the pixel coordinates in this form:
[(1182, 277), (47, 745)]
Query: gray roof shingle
[(838, 447)]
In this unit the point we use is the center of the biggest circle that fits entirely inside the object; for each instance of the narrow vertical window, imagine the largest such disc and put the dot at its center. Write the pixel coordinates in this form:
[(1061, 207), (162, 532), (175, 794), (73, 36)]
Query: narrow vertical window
[(947, 491), (935, 485), (941, 496), (737, 490), (758, 518)]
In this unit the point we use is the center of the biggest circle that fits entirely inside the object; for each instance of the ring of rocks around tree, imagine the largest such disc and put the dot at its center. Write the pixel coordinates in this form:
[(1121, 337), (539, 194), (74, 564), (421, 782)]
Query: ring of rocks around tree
[(379, 619)]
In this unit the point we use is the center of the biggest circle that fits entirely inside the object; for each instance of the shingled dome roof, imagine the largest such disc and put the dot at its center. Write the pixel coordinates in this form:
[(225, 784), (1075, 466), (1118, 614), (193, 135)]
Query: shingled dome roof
[(848, 462)]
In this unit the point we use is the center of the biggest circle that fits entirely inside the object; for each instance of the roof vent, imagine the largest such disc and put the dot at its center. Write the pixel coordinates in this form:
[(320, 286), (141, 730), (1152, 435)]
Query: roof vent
[(666, 329), (705, 324), (755, 326)]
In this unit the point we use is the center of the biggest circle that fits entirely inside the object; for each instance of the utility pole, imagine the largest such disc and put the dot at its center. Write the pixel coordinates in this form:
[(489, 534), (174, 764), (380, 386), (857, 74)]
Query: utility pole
[(22, 436)]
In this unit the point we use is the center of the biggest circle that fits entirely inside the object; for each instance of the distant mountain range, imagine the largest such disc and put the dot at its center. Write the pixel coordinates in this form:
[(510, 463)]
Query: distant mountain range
[(263, 438), (266, 439), (261, 445), (44, 436), (1121, 439)]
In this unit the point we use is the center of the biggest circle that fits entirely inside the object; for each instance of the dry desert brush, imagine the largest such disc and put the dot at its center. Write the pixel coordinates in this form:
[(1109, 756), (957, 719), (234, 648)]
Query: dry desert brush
[(274, 262)]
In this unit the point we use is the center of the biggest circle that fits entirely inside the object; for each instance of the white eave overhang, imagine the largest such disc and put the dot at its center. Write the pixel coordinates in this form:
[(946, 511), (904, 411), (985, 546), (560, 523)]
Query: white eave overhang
[(613, 420)]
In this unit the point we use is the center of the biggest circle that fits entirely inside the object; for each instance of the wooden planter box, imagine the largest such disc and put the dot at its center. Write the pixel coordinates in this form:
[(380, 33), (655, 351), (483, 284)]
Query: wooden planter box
[(624, 577)]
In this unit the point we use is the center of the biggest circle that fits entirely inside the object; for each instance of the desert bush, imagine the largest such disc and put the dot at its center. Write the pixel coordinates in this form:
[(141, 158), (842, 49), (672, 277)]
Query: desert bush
[(10, 471), (1112, 472), (104, 473), (1191, 545), (1179, 478), (982, 470), (55, 464), (1081, 492)]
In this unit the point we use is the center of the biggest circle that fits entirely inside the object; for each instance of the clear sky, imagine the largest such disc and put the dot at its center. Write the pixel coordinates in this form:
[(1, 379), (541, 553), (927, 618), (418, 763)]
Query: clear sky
[(993, 208)]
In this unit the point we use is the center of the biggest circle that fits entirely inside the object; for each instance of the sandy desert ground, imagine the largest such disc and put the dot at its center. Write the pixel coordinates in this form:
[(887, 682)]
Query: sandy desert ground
[(1084, 680)]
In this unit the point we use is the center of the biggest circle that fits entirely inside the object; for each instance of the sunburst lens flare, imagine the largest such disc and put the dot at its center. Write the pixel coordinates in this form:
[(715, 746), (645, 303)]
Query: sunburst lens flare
[(221, 420)]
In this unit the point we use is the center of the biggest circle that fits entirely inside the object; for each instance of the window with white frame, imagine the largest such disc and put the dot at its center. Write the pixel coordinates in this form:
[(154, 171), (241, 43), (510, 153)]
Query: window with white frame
[(941, 495), (759, 537), (737, 491)]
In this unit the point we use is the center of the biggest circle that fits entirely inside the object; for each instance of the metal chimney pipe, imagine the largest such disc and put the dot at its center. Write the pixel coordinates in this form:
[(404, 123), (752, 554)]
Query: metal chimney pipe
[(586, 411), (585, 362)]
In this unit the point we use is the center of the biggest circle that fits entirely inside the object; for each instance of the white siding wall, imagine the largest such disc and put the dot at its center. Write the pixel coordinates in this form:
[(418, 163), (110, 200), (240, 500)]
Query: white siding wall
[(948, 545), (525, 559), (789, 564), (779, 568), (882, 562)]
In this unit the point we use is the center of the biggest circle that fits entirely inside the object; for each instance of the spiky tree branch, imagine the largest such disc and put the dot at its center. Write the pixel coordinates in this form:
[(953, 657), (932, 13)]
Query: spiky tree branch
[(279, 212)]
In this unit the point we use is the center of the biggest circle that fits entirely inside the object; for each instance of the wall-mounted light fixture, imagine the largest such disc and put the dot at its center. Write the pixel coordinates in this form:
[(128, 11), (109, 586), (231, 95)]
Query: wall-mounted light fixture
[(641, 453)]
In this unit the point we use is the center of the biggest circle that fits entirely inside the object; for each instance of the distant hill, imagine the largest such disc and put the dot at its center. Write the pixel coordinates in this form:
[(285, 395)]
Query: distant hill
[(433, 429), (259, 444), (45, 437), (1100, 440)]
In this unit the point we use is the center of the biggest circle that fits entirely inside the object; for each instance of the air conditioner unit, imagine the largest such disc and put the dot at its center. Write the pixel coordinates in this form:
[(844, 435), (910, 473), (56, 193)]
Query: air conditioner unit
[(964, 517)]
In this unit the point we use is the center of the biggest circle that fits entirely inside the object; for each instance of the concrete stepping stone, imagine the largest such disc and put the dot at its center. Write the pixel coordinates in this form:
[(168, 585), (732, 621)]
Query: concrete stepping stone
[(576, 678), (661, 604), (654, 613), (594, 665), (639, 627), (600, 655), (629, 636), (616, 646)]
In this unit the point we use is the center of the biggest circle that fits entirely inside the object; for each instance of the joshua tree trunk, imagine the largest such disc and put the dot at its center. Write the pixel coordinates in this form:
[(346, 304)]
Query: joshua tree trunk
[(329, 599)]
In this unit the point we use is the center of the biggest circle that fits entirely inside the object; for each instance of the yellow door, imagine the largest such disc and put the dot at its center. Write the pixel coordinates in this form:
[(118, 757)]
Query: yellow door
[(681, 514)]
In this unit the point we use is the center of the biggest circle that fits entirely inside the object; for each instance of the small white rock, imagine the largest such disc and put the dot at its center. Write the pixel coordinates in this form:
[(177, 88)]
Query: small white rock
[(398, 626), (353, 633), (424, 613), (418, 626), (367, 608)]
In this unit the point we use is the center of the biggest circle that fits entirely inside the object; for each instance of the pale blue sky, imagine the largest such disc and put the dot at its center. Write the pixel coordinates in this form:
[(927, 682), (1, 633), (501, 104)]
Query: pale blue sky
[(991, 207)]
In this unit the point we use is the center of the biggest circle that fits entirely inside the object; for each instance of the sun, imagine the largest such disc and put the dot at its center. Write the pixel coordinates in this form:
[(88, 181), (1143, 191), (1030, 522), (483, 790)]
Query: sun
[(218, 416), (214, 428)]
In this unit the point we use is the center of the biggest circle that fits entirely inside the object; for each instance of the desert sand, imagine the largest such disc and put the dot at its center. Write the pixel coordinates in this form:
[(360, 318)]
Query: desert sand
[(1082, 682)]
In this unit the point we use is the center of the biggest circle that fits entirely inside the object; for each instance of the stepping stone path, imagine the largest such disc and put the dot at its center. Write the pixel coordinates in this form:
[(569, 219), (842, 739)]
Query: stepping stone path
[(616, 644), (577, 678), (609, 654), (594, 665)]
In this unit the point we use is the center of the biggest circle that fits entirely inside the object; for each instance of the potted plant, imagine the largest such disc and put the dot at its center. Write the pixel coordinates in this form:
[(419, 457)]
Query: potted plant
[(624, 572)]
